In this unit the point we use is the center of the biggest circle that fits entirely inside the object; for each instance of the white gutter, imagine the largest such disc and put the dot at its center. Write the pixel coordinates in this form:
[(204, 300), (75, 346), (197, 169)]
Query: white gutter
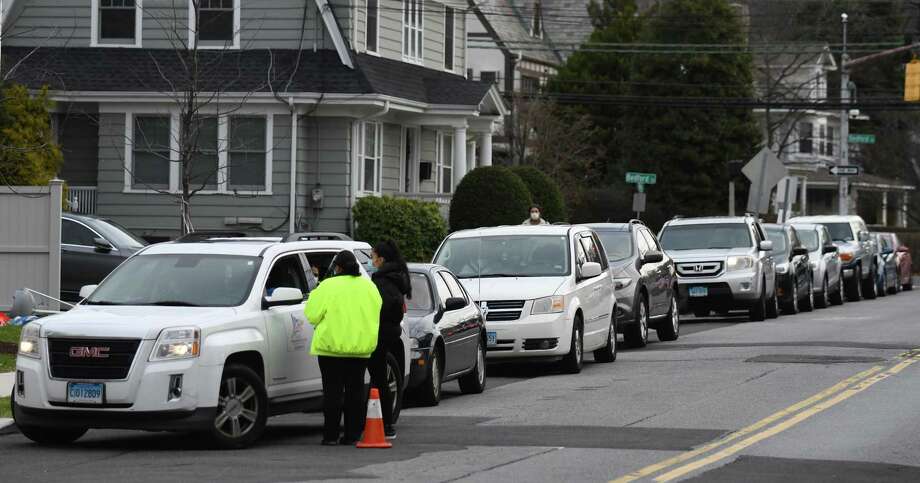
[(293, 201), (380, 113)]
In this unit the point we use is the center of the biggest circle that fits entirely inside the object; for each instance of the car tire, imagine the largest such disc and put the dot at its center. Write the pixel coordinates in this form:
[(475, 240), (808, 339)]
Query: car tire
[(572, 362), (773, 306), (854, 286), (792, 306), (808, 302), (758, 312), (636, 335), (671, 331), (395, 384), (823, 300), (881, 288), (869, 286), (475, 381), (429, 391), (46, 436), (908, 286), (242, 409), (837, 296), (608, 353)]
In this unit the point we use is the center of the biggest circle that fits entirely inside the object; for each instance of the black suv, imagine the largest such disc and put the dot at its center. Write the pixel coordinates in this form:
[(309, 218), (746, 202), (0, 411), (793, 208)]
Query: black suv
[(645, 282), (794, 284)]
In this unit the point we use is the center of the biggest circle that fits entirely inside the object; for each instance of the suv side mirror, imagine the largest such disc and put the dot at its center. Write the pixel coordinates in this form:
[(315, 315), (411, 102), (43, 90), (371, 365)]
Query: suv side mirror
[(87, 290), (454, 303), (102, 246), (863, 236), (800, 251), (653, 256), (829, 249), (282, 296), (591, 270), (766, 246)]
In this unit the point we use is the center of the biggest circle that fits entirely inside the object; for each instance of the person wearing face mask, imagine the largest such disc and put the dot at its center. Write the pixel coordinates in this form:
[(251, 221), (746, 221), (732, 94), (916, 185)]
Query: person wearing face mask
[(535, 218), (392, 280)]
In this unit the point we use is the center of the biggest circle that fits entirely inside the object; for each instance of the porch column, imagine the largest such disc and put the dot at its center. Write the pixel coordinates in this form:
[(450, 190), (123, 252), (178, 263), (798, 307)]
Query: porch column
[(485, 150), (902, 213), (459, 161), (884, 208), (471, 156), (803, 182)]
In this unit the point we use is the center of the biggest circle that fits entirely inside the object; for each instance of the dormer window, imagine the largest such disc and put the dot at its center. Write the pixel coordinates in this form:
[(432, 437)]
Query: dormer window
[(217, 23), (536, 25), (116, 23)]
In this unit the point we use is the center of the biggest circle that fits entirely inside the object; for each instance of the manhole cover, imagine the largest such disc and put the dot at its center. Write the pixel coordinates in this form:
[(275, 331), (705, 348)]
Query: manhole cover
[(810, 359)]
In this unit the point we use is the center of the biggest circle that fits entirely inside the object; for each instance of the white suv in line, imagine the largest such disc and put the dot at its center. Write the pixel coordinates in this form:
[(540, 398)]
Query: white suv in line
[(546, 291), (199, 334)]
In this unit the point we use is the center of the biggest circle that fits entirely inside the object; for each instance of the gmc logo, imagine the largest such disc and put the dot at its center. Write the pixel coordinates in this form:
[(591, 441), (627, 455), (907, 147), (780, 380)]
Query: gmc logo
[(89, 352)]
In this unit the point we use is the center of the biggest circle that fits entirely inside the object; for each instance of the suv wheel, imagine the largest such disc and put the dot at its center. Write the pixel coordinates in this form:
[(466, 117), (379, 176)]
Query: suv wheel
[(808, 302), (773, 305), (792, 306), (823, 300), (837, 297), (854, 286), (242, 408), (573, 361), (608, 353), (636, 335), (869, 285), (394, 385), (429, 393), (475, 381), (671, 331), (759, 311)]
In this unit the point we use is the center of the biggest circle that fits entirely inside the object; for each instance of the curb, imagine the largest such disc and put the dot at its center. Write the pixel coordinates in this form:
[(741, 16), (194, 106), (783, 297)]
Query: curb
[(7, 426)]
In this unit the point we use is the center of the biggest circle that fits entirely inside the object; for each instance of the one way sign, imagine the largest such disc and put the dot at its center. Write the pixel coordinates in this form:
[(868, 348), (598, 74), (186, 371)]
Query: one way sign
[(844, 170)]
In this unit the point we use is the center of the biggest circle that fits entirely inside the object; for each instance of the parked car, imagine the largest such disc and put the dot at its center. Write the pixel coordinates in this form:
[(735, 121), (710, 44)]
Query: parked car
[(905, 265), (546, 291), (723, 264), (91, 247), (888, 275), (645, 282), (857, 252), (447, 335), (825, 264), (794, 283), (193, 335)]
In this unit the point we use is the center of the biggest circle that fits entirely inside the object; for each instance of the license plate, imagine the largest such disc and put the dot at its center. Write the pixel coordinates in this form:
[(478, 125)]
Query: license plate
[(491, 338), (84, 393), (698, 291)]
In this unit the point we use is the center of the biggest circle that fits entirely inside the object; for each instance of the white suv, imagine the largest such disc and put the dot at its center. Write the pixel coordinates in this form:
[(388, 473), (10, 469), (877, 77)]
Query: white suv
[(195, 335), (546, 291)]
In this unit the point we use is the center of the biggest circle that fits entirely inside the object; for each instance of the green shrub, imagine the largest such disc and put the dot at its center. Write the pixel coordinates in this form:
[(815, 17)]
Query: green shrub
[(544, 191), (417, 227), (489, 196)]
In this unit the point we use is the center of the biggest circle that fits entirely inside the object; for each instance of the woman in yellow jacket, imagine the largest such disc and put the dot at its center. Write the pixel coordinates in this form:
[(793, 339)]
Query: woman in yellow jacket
[(345, 310)]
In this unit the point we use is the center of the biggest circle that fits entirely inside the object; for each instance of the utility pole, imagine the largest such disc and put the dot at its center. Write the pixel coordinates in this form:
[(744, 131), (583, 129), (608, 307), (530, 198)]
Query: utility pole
[(843, 189)]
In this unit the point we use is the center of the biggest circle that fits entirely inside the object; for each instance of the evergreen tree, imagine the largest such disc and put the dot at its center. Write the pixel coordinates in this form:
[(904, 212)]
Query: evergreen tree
[(28, 154)]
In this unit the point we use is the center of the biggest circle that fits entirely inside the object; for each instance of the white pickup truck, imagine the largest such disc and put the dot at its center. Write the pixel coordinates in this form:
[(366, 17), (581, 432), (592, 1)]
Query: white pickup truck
[(201, 334)]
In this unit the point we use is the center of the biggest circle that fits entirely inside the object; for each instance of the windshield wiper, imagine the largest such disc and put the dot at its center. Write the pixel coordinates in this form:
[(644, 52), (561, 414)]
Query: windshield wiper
[(174, 303), (499, 275), (101, 302)]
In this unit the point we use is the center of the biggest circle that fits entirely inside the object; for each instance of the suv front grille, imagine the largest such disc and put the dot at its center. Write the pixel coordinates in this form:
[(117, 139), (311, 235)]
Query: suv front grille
[(699, 269), (502, 304), (503, 316), (502, 310), (92, 358)]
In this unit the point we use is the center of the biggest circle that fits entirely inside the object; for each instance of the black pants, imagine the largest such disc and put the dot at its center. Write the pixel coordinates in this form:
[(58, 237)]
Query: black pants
[(377, 367), (343, 376)]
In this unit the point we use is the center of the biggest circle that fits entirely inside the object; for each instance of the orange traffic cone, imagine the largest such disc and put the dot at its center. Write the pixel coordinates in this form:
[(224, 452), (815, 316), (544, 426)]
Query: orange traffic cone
[(373, 428)]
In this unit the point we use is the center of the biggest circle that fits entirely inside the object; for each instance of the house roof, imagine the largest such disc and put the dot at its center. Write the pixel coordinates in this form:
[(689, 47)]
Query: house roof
[(247, 71), (864, 180), (510, 21), (567, 30)]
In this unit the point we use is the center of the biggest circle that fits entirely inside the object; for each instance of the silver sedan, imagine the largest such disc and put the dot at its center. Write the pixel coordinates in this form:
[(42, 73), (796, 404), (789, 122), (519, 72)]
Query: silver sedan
[(825, 264)]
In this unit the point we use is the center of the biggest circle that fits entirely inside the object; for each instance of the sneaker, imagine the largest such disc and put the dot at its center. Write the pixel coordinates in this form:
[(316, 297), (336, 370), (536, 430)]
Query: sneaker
[(389, 432)]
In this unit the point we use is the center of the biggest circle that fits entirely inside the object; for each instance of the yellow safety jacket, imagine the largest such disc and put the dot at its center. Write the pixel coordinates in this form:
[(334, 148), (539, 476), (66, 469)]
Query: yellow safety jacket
[(346, 313)]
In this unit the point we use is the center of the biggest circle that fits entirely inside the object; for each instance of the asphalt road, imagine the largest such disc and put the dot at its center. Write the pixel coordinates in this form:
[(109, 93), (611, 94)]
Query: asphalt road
[(830, 395)]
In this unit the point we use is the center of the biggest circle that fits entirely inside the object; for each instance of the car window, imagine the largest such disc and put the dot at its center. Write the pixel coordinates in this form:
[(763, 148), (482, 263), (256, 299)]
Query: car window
[(650, 240), (286, 272), (828, 240), (809, 238), (778, 237), (453, 285), (73, 233), (118, 235), (506, 256), (642, 243), (321, 264), (443, 291), (601, 250), (841, 232), (593, 255), (580, 257), (421, 293), (617, 244), (759, 233), (364, 256), (710, 236)]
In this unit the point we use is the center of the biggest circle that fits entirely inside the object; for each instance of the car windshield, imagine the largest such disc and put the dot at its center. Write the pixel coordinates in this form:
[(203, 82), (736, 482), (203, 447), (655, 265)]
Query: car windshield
[(189, 280), (706, 237), (840, 232), (617, 244), (809, 238), (506, 256), (119, 235), (778, 237), (421, 293)]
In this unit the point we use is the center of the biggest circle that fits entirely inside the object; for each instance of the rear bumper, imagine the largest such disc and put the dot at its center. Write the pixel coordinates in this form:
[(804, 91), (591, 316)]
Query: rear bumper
[(198, 419)]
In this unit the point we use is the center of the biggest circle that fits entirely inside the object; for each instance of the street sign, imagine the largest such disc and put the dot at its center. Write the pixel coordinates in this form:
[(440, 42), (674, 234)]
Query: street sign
[(638, 202), (844, 170), (861, 138), (641, 178), (764, 170)]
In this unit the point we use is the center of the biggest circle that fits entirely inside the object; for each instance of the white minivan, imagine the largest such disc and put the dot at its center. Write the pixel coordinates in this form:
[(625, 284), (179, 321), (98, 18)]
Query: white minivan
[(546, 291)]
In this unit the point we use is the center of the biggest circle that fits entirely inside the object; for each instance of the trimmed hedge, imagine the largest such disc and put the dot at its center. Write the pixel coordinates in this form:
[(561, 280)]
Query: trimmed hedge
[(417, 227), (489, 196), (544, 191)]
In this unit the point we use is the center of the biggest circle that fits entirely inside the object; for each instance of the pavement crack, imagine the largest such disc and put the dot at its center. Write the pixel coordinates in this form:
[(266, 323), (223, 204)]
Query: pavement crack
[(502, 465), (640, 420), (757, 377)]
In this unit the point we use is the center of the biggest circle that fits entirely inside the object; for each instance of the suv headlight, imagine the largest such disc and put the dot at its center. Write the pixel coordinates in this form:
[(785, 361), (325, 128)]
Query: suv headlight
[(177, 343), (734, 264), (846, 256), (29, 341), (548, 305)]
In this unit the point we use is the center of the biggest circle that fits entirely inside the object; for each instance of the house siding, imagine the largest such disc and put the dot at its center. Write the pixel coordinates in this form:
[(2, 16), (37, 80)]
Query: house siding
[(326, 146), (392, 147)]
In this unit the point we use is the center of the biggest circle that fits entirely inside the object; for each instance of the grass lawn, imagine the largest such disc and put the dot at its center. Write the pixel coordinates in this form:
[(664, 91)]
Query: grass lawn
[(7, 362), (10, 334), (5, 411), (9, 338)]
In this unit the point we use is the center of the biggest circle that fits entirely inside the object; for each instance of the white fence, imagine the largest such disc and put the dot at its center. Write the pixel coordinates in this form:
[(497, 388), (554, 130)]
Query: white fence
[(30, 241)]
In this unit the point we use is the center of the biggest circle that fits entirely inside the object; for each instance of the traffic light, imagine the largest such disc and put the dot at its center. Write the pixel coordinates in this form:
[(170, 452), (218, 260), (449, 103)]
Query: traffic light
[(912, 81)]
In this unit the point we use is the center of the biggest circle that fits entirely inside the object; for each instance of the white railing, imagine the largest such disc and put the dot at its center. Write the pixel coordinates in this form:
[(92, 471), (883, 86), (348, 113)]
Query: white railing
[(82, 199), (439, 198)]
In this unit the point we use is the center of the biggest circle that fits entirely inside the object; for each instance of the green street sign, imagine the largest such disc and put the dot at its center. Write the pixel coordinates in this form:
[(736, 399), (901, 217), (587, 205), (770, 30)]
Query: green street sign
[(641, 178), (861, 138)]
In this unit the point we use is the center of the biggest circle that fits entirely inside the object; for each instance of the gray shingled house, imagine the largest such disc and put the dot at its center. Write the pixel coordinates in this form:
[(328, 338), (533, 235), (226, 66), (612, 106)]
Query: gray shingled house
[(330, 102)]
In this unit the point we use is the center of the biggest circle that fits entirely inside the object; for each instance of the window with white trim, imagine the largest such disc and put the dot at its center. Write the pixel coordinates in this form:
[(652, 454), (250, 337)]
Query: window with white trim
[(369, 155), (217, 23), (446, 164), (449, 38), (413, 12), (116, 22), (204, 162), (371, 25), (246, 166), (150, 153)]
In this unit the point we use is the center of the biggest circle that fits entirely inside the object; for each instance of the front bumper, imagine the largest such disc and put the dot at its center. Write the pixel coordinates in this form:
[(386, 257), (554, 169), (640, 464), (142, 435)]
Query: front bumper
[(197, 419), (418, 366), (526, 337), (727, 291)]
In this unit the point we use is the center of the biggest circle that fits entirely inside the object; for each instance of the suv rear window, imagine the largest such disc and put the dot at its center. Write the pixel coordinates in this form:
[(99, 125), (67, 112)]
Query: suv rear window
[(706, 237)]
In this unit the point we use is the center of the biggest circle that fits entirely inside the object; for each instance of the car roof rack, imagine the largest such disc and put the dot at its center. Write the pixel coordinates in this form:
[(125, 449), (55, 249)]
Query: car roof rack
[(636, 221), (201, 236), (316, 236)]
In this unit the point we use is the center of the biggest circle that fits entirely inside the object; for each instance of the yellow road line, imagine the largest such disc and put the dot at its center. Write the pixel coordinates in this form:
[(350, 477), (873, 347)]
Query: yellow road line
[(655, 468), (798, 418)]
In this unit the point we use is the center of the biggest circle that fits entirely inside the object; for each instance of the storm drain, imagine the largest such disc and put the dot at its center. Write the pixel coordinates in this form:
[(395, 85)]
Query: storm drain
[(811, 359)]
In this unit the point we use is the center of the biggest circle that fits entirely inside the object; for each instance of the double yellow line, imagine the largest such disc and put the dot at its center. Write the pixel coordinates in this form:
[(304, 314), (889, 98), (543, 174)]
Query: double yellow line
[(690, 461)]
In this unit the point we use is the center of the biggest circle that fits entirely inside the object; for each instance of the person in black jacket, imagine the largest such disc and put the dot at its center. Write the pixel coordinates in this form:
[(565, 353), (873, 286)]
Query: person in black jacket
[(392, 279)]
